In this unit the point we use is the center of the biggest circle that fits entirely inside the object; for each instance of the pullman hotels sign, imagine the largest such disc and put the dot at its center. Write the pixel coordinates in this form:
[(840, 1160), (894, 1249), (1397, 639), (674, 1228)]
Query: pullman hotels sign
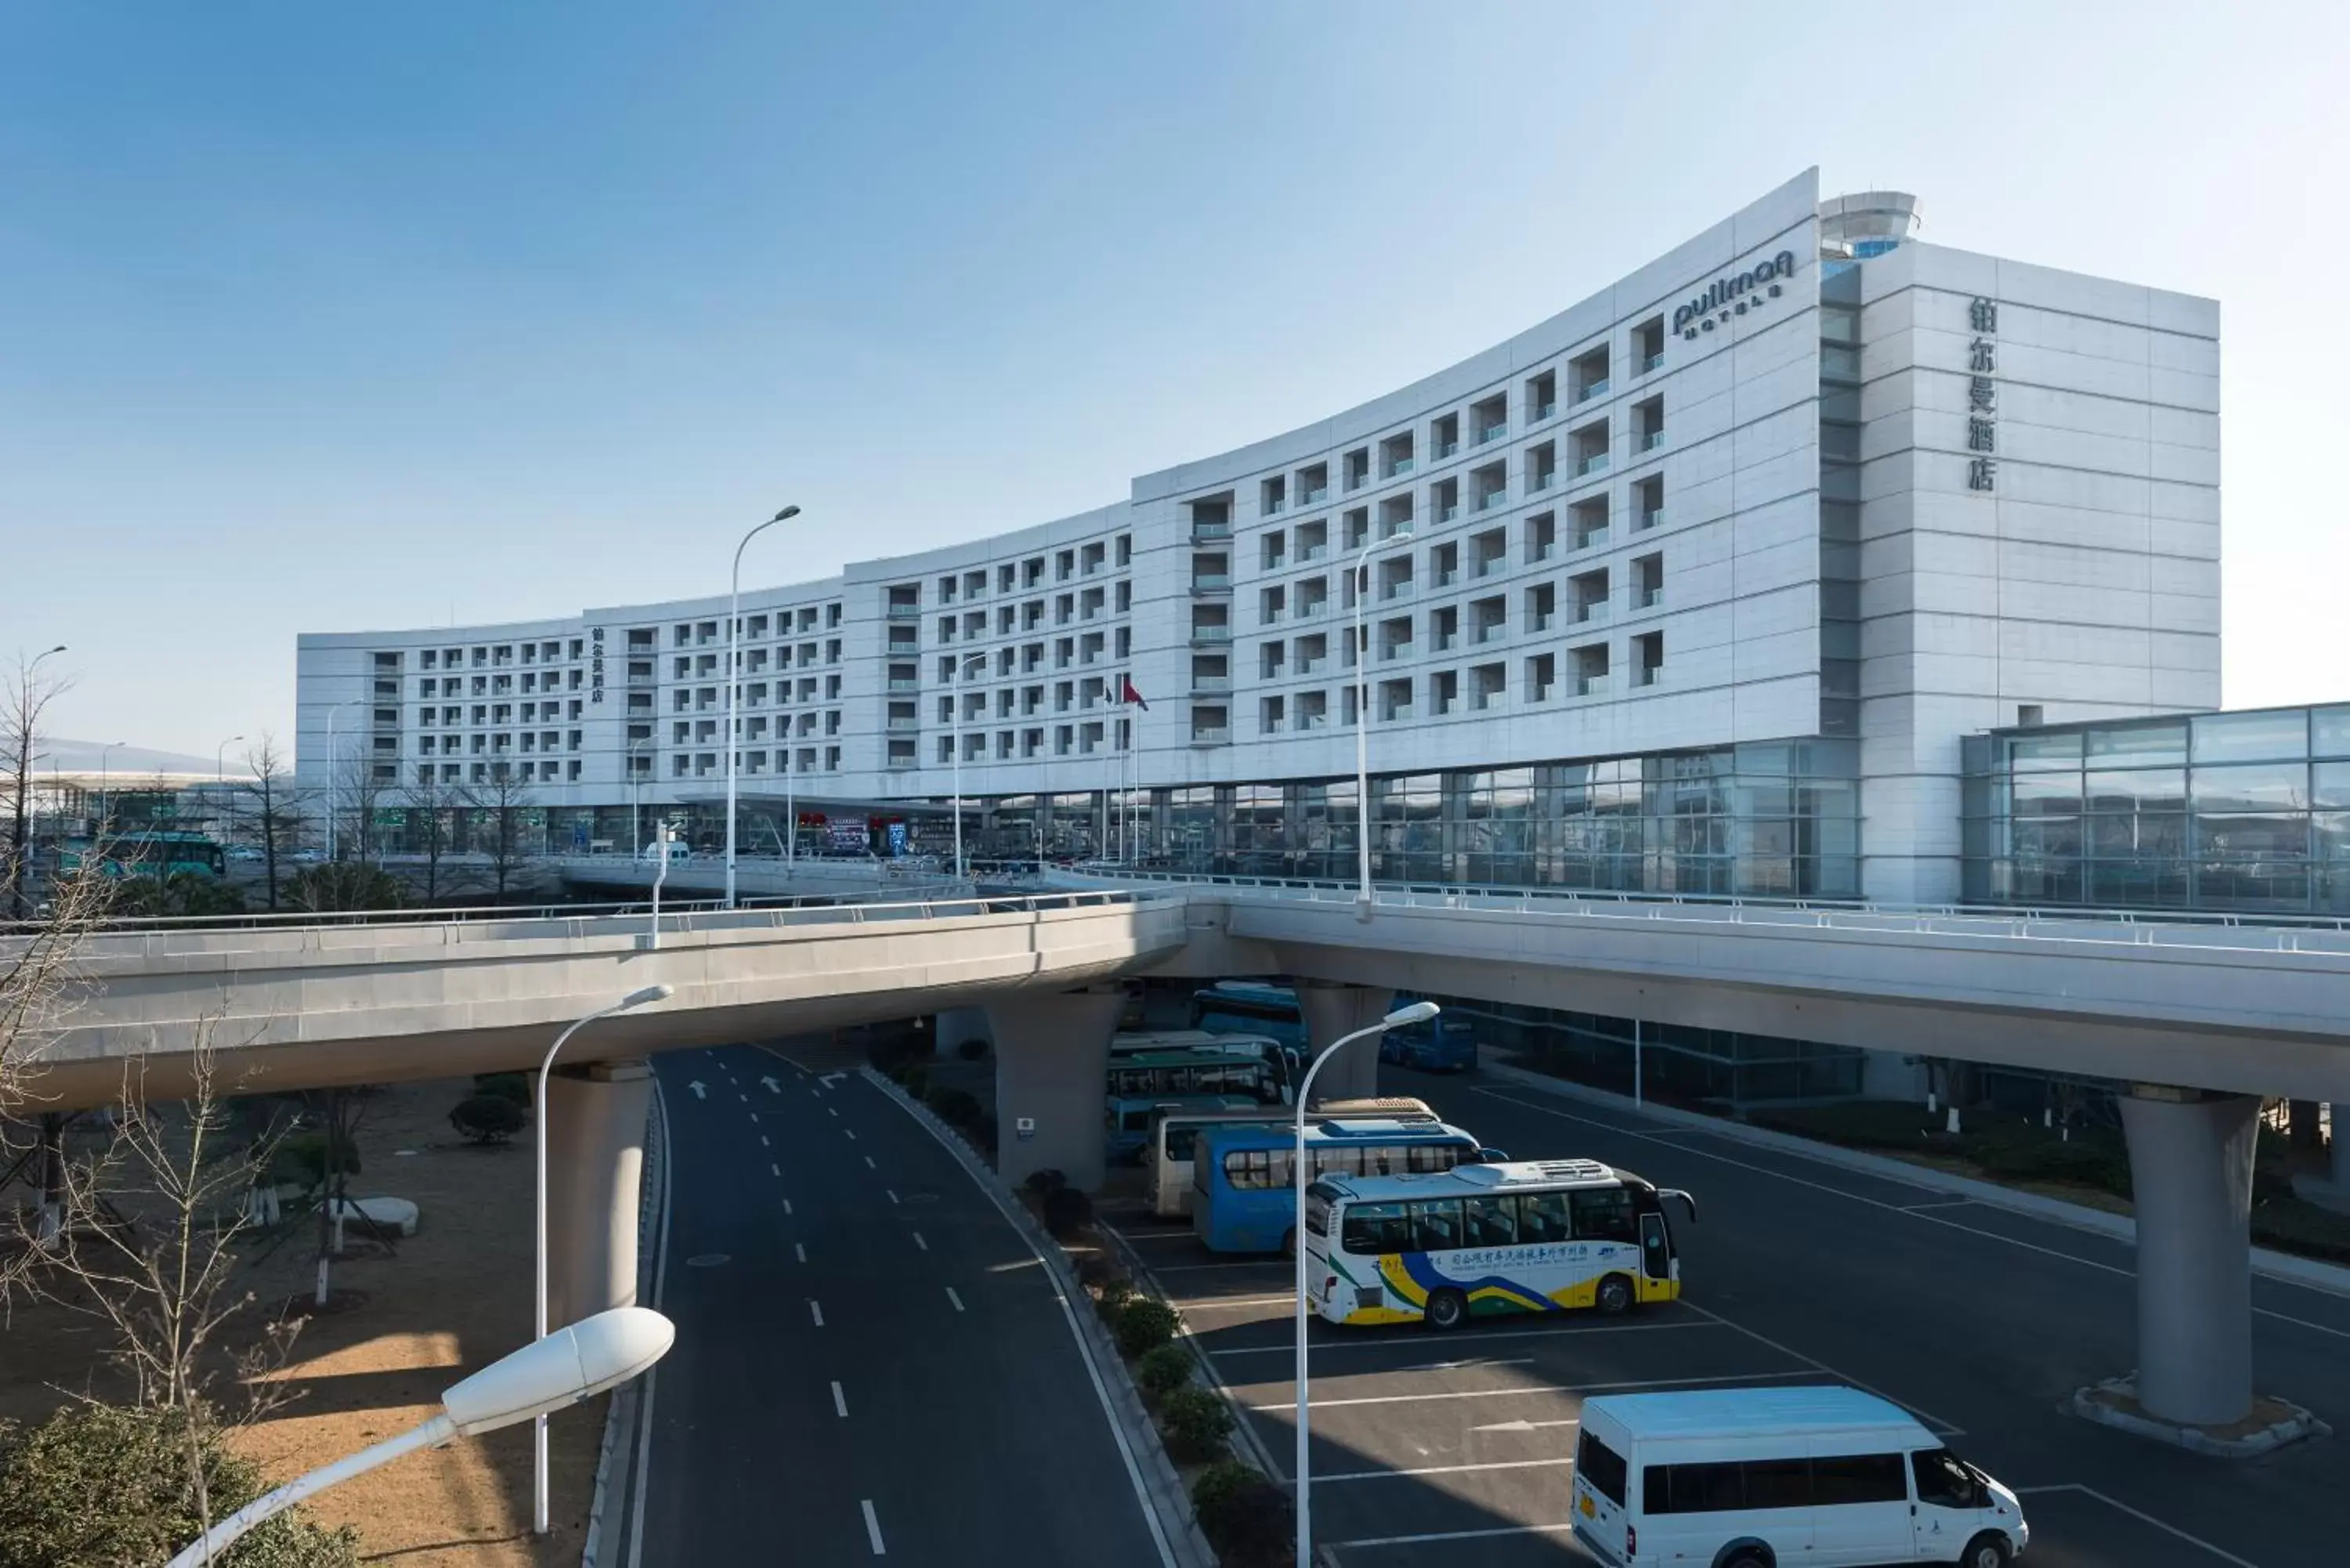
[(1733, 293)]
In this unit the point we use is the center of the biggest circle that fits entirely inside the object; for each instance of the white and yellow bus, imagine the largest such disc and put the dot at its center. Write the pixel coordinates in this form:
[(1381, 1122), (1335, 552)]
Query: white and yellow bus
[(1168, 1156), (1520, 1236)]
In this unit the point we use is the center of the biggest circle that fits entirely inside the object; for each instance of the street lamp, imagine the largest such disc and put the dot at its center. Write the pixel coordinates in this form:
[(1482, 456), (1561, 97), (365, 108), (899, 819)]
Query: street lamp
[(111, 746), (220, 774), (1361, 577), (1402, 1017), (591, 1356), (734, 688), (955, 715), (636, 794), (538, 1447)]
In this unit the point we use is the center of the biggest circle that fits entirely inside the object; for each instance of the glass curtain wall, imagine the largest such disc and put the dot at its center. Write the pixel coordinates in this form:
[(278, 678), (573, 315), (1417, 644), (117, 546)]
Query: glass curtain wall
[(2245, 812)]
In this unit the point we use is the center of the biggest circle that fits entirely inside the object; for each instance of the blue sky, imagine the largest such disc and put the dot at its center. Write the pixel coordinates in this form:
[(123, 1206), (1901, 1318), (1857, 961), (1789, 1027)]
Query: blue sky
[(322, 317)]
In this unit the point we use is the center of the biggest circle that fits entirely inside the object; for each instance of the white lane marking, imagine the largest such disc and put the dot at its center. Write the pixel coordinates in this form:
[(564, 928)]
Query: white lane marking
[(777, 1169), (1938, 1203), (653, 1374), (815, 1311), (2220, 1552), (1446, 1469), (1533, 1388), (849, 1133), (925, 1246), (744, 1098), (799, 1250), (762, 1141), (1453, 1535), (1949, 1429), (1895, 1208), (955, 1298), (892, 1192), (869, 1165), (1076, 1336), (787, 1205), (1522, 1425), (839, 1402), (873, 1528), (830, 1112), (1318, 1345)]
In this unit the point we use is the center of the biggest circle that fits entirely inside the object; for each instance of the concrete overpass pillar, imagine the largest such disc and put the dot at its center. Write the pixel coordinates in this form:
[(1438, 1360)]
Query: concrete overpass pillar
[(595, 1164), (2190, 1157), (1052, 1065), (1332, 1012)]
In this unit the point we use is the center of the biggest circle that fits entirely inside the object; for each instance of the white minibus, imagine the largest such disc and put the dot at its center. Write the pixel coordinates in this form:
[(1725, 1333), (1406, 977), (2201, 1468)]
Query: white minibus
[(1771, 1478)]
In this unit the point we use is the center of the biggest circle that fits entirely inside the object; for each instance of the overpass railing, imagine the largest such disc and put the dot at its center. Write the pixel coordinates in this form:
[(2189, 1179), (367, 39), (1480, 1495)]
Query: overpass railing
[(2141, 928)]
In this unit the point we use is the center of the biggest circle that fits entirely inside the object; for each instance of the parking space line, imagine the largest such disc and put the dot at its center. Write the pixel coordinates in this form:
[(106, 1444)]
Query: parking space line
[(1158, 1236), (1531, 1389), (872, 1528), (1443, 1471), (1949, 1429), (1709, 1321), (1938, 1203), (1203, 1304), (1879, 1203), (1198, 1268), (1451, 1535), (2222, 1553)]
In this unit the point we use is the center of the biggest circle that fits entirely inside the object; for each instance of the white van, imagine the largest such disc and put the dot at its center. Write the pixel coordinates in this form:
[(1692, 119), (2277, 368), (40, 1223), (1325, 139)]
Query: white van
[(1773, 1478)]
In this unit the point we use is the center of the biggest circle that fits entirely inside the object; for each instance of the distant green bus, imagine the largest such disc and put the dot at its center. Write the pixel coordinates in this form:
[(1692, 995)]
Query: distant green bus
[(159, 855)]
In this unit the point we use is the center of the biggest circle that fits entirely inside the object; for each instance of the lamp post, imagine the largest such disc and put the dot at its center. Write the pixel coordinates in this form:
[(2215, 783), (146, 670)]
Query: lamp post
[(635, 794), (220, 774), (1361, 577), (1417, 1012), (955, 715), (538, 1440), (734, 688), (591, 1356), (20, 859), (103, 815)]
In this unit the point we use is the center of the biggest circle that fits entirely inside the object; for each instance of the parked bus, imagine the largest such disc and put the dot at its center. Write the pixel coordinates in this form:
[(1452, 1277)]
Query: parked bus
[(1530, 1236), (1137, 1042), (160, 855), (1242, 1196), (1251, 1007), (1445, 1044), (1208, 1071), (1127, 1119), (1737, 1476), (1167, 1157)]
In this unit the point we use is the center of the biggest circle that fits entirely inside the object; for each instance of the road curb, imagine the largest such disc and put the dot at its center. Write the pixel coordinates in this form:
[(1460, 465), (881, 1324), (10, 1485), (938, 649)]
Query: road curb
[(615, 1457), (2328, 1277), (1162, 1488), (1242, 1428)]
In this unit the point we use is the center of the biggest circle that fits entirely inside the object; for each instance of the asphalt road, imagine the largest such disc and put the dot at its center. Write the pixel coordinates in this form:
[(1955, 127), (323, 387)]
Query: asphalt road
[(870, 1364), (1980, 1321)]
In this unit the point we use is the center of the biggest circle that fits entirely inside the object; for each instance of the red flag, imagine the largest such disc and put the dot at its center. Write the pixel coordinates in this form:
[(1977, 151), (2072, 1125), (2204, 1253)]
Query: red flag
[(1128, 694)]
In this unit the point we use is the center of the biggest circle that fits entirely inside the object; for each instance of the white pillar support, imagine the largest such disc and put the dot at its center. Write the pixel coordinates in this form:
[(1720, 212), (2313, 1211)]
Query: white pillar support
[(1052, 1064), (595, 1156), (951, 1027), (1332, 1012), (2191, 1157)]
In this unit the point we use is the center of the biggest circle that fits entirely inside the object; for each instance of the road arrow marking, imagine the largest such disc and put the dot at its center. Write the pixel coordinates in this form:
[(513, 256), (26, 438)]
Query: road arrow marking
[(1523, 1426), (701, 1090), (828, 1079), (773, 1086)]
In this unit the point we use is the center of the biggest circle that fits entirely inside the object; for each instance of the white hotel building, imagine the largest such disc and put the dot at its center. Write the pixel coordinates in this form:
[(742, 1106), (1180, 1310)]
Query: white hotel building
[(1707, 576)]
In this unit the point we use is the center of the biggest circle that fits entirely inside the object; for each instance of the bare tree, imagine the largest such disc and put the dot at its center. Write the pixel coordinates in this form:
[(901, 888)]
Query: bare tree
[(359, 794), (435, 809), (25, 697), (275, 805), (501, 808)]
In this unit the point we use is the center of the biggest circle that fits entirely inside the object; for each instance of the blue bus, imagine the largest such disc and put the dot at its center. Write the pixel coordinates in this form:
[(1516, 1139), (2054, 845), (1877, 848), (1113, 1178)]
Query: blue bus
[(1243, 1196), (1251, 1007), (1129, 1122), (1445, 1044)]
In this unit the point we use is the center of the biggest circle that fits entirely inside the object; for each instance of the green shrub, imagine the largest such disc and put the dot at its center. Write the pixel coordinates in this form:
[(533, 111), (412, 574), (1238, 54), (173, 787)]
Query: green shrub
[(1043, 1183), (97, 1485), (2291, 1225), (1164, 1370), (487, 1118), (1245, 1517), (1144, 1323), (956, 1107), (915, 1081), (301, 1158), (1197, 1421), (1116, 1291), (514, 1087), (1067, 1211)]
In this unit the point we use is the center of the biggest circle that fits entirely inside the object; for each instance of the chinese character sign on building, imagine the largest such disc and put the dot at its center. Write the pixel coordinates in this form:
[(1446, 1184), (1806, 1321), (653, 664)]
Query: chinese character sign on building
[(596, 664), (1982, 396)]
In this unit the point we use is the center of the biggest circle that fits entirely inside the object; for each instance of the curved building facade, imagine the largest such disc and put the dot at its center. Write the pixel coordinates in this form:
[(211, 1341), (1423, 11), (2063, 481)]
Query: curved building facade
[(1693, 587)]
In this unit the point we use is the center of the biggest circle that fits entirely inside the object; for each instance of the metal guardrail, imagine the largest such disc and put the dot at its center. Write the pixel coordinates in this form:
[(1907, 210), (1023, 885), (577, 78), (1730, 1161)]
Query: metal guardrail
[(2180, 929)]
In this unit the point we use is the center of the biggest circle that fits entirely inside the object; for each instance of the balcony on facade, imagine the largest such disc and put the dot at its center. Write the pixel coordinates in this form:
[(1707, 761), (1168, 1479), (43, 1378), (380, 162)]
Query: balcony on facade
[(1542, 607), (1212, 520), (1541, 467), (1211, 724), (1648, 660), (1444, 567), (1395, 516), (1586, 377), (1211, 573), (1489, 552), (1542, 538), (1541, 397), (1587, 449), (1589, 670), (1396, 455), (1313, 540), (1587, 598), (1489, 620), (1395, 700), (1586, 524), (1313, 484), (1489, 420), (1444, 630), (1444, 501), (1444, 437), (1648, 423), (1648, 503), (1648, 582), (1273, 497), (1542, 677), (1356, 468), (1491, 486), (1648, 344)]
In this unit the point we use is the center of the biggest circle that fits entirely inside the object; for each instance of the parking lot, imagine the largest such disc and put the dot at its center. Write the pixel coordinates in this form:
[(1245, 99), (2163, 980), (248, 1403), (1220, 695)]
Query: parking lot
[(1424, 1442)]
